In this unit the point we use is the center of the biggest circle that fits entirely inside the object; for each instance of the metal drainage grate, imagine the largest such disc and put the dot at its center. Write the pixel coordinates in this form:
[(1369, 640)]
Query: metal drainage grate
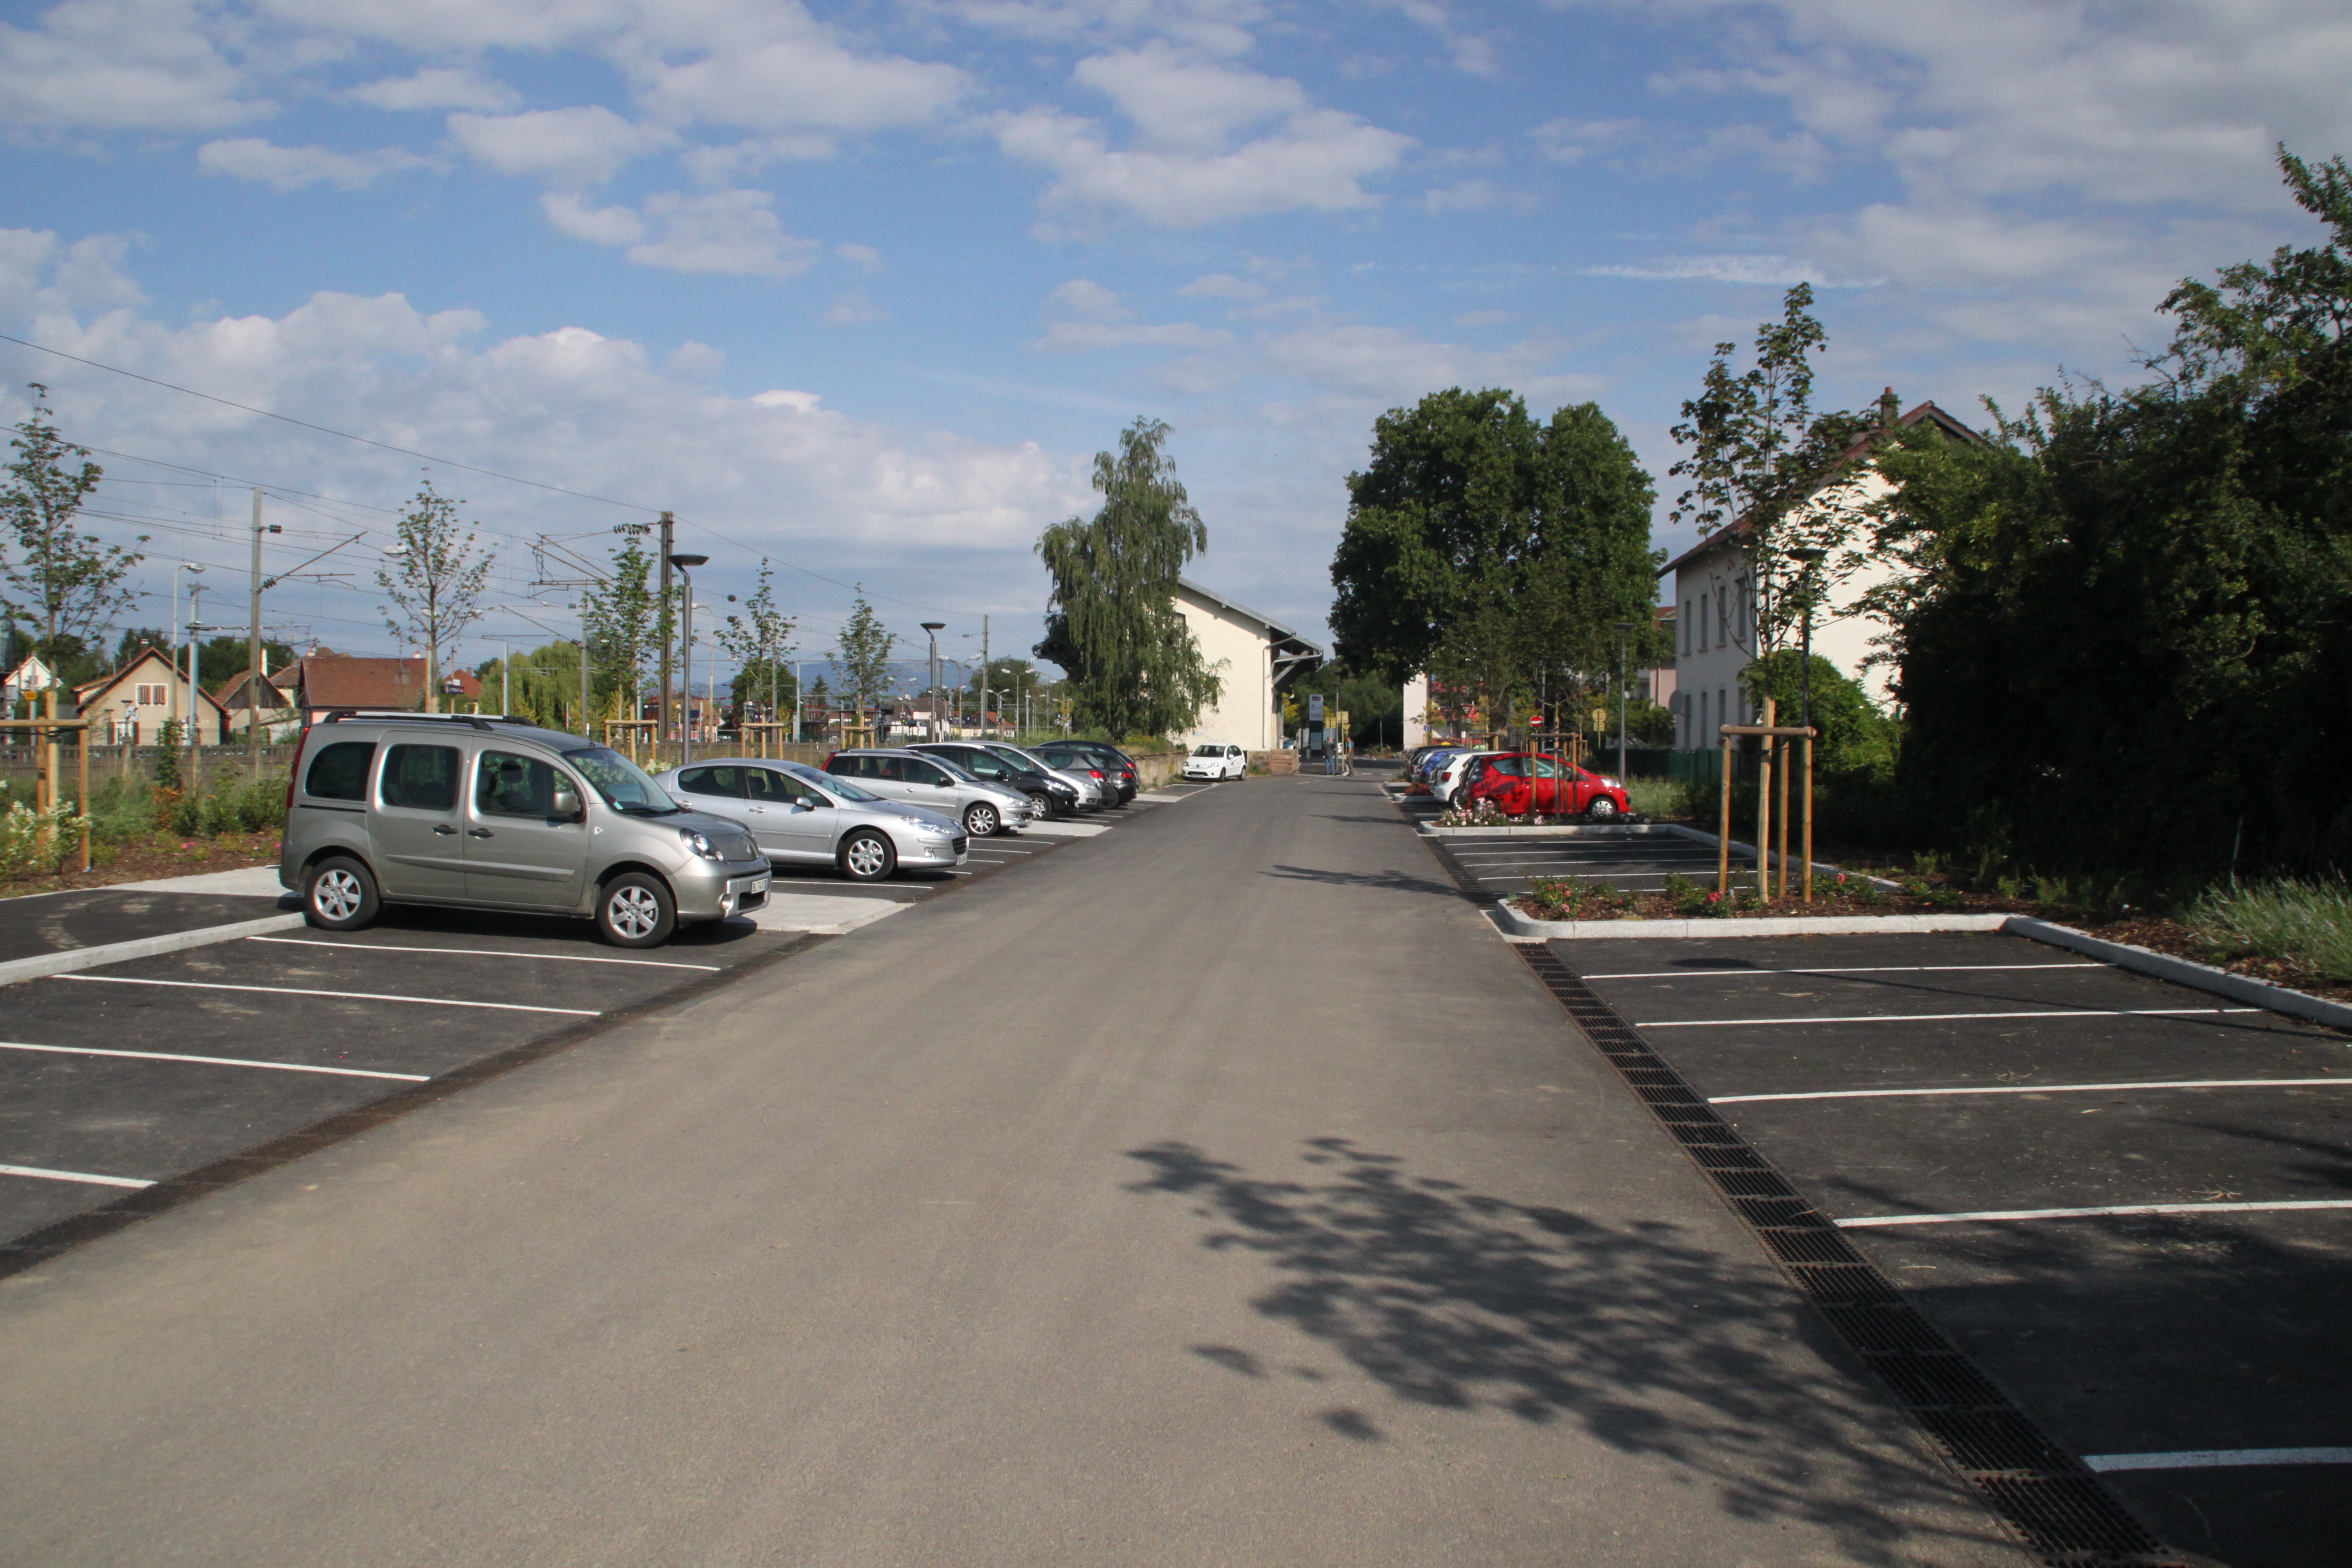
[(2057, 1507)]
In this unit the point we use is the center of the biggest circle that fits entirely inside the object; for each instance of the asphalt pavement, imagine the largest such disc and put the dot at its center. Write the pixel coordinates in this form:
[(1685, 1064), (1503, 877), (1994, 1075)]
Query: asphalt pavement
[(1216, 1190)]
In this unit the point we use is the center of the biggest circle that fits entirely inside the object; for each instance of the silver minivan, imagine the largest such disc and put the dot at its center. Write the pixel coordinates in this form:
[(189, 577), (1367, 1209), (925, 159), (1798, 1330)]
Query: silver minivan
[(475, 813)]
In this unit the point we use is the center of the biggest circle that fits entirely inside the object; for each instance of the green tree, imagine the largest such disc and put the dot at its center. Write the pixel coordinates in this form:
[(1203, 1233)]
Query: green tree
[(61, 582), (862, 656), (223, 658), (1112, 623), (542, 685), (624, 626), (760, 639), (434, 581), (2126, 623), (1494, 553), (1764, 462)]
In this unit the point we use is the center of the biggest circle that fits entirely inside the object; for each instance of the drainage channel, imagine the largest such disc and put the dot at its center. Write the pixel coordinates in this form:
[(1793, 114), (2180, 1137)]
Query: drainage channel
[(2055, 1504)]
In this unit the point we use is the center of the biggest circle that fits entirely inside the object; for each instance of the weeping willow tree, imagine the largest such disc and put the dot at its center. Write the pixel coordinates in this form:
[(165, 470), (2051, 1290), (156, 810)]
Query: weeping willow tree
[(1133, 665)]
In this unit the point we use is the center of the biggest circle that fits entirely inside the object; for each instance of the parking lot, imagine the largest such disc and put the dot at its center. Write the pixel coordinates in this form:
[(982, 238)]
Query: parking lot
[(131, 1086), (1630, 859), (2127, 1203)]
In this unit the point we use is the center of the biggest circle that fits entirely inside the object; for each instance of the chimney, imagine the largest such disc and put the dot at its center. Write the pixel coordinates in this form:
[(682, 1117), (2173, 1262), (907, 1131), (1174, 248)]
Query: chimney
[(1889, 411)]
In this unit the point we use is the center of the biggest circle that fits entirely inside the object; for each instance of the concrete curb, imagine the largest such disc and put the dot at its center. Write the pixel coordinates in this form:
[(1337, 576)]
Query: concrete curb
[(1734, 925), (74, 958), (1567, 829), (2184, 971)]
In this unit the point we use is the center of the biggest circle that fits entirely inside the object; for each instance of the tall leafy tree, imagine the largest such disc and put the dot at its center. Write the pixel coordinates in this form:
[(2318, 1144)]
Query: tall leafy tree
[(862, 655), (759, 637), (2126, 634), (60, 581), (624, 625), (1762, 460), (434, 585), (1493, 551), (1134, 668)]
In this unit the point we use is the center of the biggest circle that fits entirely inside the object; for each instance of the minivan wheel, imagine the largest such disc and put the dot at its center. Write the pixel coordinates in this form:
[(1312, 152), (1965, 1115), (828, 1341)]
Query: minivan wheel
[(866, 856), (636, 910), (340, 895), (981, 820)]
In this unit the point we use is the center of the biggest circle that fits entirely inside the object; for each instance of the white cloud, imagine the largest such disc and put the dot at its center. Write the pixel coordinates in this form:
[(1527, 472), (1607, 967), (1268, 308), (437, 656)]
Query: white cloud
[(569, 149), (41, 277), (120, 65), (863, 257), (596, 225), (292, 168), (741, 160), (591, 412), (1179, 105), (1573, 140), (438, 87), (773, 68), (1213, 27), (1224, 285), (1774, 271), (854, 310), (731, 232), (1087, 298), (1090, 317)]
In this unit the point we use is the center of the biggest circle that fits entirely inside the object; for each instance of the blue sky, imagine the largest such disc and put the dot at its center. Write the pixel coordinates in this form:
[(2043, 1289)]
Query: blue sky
[(864, 287)]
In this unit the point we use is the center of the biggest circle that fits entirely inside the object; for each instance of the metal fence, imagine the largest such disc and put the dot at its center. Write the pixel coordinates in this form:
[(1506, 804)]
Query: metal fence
[(1703, 768)]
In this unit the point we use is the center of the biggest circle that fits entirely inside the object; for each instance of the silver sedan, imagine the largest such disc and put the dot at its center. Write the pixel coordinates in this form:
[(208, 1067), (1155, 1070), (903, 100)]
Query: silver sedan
[(799, 815)]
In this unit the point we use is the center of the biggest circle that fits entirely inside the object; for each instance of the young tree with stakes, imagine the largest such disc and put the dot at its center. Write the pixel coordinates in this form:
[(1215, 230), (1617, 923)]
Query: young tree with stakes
[(760, 638), (65, 584), (1112, 624), (623, 624), (435, 583), (862, 654)]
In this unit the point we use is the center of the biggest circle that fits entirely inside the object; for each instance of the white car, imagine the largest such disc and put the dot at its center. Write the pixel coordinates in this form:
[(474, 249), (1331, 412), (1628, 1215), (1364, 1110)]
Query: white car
[(1450, 780), (1216, 760)]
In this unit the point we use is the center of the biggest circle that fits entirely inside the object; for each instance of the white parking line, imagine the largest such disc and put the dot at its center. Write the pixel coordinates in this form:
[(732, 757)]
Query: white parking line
[(1860, 969), (1931, 1018), (2219, 1458), (1003, 849), (1883, 1221), (483, 952), (349, 996), (38, 1174), (1523, 876), (211, 1061), (2042, 1088)]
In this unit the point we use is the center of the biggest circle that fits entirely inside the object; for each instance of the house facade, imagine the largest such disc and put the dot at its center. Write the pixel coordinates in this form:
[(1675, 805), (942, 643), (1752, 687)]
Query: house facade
[(1715, 603), (1254, 655), (132, 705)]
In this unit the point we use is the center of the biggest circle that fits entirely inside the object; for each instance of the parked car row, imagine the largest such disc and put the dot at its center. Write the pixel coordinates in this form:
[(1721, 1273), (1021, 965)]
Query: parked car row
[(469, 812), (1518, 782)]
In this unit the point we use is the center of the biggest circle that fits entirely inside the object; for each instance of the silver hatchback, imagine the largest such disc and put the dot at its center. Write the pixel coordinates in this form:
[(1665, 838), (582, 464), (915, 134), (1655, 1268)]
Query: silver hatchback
[(799, 815), (472, 813), (935, 784)]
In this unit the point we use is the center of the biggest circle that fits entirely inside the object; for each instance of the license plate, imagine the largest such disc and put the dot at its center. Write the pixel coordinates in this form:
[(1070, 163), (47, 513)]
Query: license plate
[(760, 886)]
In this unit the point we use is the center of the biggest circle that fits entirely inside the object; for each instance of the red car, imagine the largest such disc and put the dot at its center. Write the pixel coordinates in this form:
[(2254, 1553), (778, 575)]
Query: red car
[(1557, 787)]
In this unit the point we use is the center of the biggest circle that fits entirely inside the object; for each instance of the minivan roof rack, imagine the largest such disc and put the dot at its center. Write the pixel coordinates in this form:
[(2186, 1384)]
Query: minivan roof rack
[(479, 721)]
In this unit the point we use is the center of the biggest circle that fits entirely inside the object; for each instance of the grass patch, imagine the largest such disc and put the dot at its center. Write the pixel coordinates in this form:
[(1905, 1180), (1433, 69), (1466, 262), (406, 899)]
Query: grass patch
[(1658, 797), (2307, 923)]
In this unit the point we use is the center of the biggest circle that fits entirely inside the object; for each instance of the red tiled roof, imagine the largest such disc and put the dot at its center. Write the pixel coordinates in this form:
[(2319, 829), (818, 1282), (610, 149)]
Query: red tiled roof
[(329, 680)]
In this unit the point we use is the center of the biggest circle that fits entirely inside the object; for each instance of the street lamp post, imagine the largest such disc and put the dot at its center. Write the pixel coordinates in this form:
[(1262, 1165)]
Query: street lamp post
[(934, 628), (686, 654)]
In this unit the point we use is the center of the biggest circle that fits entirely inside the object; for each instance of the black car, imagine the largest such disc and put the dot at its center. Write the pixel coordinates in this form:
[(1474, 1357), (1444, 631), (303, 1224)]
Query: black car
[(1114, 764), (1051, 796)]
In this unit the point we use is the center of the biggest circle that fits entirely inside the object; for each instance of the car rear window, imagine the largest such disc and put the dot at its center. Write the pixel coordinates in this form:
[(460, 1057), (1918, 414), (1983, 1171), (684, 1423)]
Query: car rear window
[(712, 781), (340, 771)]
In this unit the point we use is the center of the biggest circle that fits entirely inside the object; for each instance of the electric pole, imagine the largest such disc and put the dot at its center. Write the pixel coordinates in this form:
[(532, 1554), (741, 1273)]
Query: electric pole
[(668, 530), (253, 654), (934, 628), (983, 674)]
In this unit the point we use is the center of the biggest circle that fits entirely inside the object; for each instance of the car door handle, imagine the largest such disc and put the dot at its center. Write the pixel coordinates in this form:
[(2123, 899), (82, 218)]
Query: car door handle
[(478, 833), (443, 828)]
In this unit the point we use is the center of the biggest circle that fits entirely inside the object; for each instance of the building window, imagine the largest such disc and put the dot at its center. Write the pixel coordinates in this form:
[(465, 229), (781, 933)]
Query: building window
[(1702, 623), (1686, 625), (152, 697)]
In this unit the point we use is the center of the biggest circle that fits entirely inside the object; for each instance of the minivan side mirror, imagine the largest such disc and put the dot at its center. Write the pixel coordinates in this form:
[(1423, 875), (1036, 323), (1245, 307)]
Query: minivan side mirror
[(567, 803)]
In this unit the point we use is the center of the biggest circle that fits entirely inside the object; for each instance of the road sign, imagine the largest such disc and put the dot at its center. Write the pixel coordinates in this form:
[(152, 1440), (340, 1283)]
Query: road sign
[(1315, 708)]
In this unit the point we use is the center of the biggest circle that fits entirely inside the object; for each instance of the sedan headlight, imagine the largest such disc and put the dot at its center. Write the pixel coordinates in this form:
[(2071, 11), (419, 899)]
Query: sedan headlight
[(699, 843)]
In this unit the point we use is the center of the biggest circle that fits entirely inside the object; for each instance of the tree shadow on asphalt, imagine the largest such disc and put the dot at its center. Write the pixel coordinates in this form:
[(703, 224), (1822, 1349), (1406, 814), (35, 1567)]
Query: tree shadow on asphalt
[(1651, 1342), (1388, 881)]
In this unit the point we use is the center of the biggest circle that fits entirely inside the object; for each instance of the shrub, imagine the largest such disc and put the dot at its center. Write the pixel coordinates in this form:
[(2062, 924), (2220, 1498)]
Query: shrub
[(1551, 898), (39, 842), (2301, 922)]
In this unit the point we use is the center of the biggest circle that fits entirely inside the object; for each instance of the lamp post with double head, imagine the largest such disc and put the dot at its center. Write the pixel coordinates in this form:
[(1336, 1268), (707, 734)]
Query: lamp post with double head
[(935, 628), (686, 654)]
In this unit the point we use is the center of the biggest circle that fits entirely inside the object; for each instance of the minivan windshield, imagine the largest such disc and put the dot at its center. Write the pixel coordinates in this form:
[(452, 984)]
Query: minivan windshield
[(833, 784), (624, 785)]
